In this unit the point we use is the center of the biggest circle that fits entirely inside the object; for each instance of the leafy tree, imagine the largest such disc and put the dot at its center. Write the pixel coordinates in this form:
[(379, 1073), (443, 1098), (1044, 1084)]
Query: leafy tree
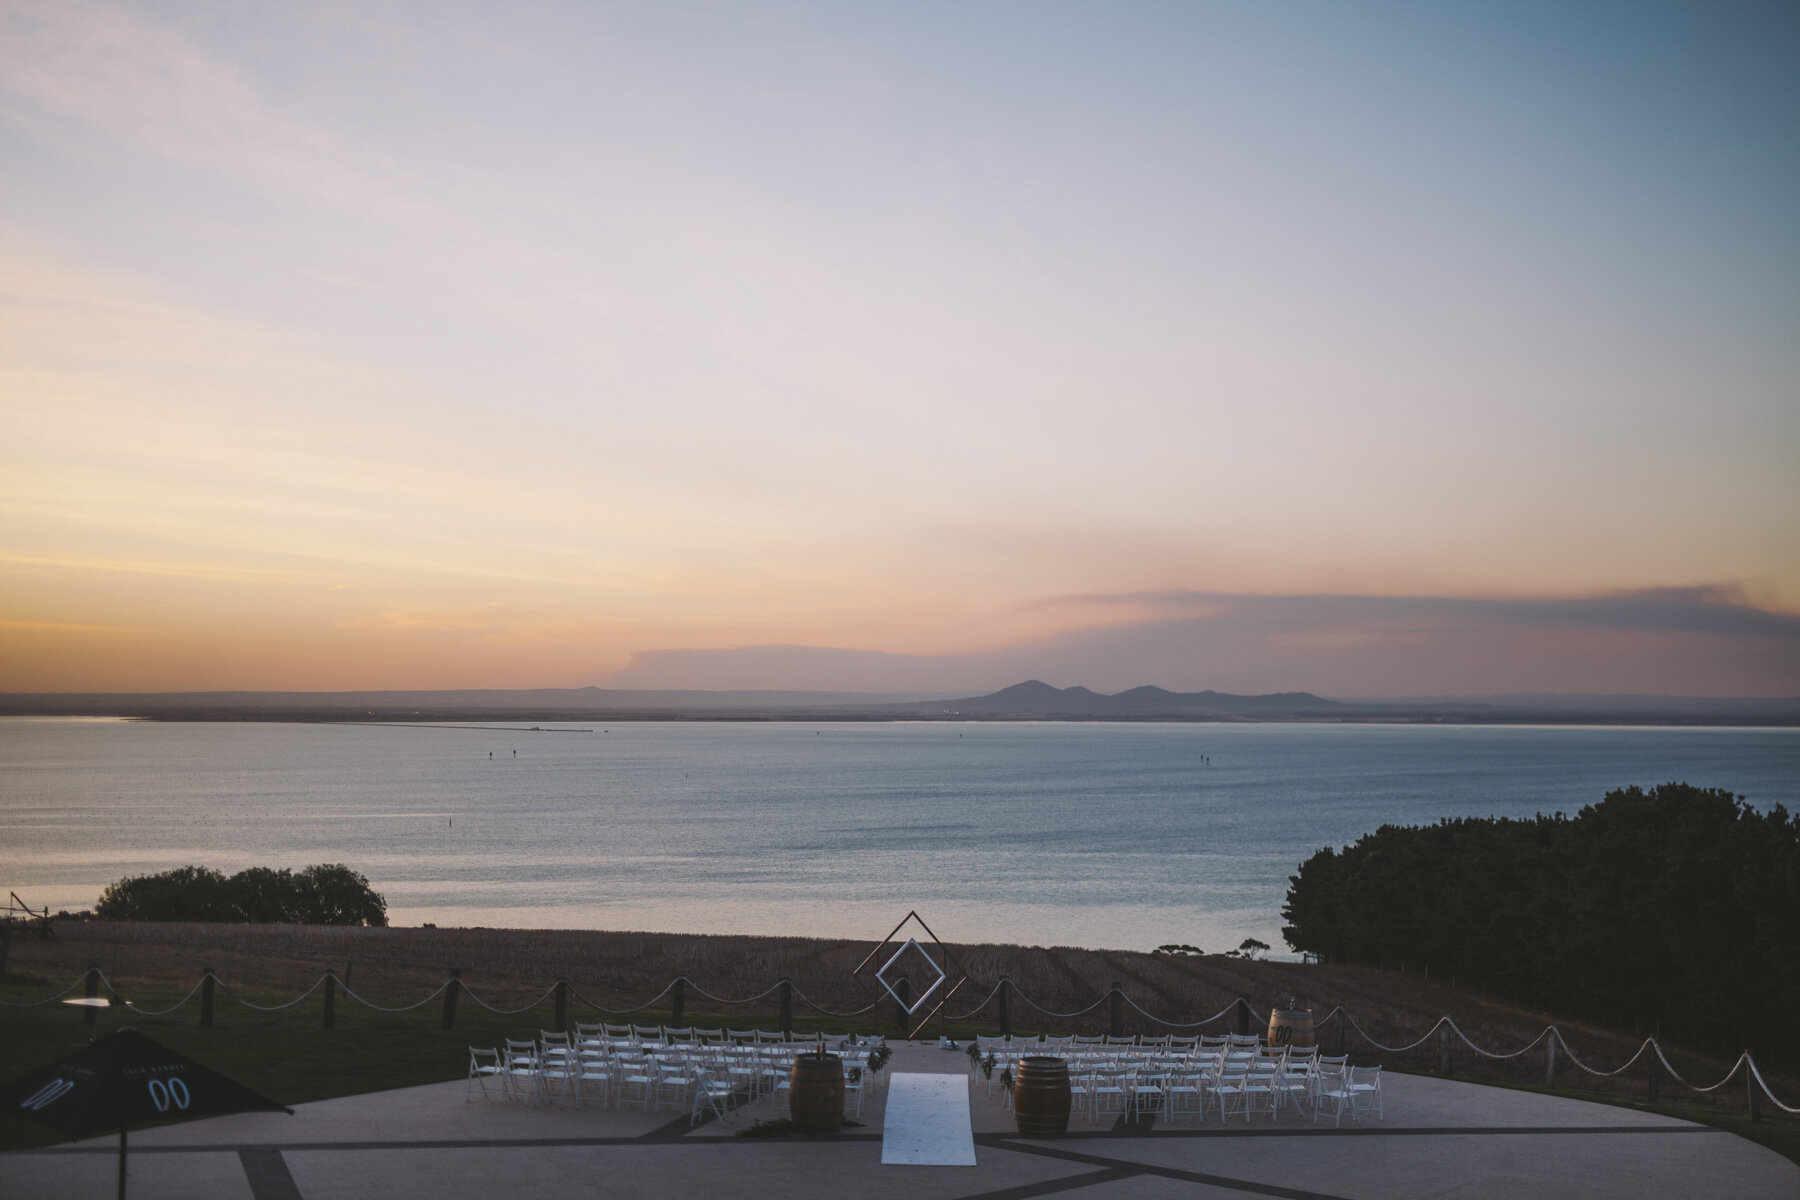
[(333, 894), (327, 894), (1673, 910), (264, 896), (183, 894)]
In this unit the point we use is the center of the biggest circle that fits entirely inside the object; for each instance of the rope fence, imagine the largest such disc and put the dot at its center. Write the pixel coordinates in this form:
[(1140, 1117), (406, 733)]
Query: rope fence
[(438, 991), (870, 1007), (506, 1012), (1551, 1038)]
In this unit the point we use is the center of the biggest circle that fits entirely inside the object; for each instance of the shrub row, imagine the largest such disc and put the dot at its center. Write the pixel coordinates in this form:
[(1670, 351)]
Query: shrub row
[(326, 894)]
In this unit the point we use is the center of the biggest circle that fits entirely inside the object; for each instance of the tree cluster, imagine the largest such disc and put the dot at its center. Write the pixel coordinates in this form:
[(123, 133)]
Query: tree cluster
[(1673, 911), (326, 894)]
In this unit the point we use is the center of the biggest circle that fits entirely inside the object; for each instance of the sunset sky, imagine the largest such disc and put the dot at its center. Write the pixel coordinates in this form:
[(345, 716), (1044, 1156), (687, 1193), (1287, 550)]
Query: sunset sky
[(1368, 349)]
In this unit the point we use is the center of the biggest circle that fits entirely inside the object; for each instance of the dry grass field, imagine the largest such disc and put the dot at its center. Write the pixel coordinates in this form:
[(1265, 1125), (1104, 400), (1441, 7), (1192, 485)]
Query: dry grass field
[(288, 1053), (622, 971)]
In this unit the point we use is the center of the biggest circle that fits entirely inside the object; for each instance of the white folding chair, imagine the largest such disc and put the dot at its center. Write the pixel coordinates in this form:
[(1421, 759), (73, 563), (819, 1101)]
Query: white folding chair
[(1187, 1093), (521, 1070), (592, 1079), (484, 1065), (1110, 1091), (1231, 1089), (1261, 1085), (674, 1078), (1331, 1086), (635, 1082), (557, 1066), (711, 1094), (590, 1039), (1365, 1090), (771, 1073), (1294, 1085), (1081, 1093), (1149, 1092)]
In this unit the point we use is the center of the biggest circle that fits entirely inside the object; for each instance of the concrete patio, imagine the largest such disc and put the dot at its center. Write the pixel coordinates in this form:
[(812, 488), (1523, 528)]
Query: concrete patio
[(1439, 1138)]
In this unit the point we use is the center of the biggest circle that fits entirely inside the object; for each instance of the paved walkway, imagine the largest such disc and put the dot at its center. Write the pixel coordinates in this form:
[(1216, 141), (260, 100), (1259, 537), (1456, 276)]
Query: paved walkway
[(1439, 1138)]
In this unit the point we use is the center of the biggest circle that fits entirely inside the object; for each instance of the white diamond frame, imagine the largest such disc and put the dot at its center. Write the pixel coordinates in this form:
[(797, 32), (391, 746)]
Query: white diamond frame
[(881, 977)]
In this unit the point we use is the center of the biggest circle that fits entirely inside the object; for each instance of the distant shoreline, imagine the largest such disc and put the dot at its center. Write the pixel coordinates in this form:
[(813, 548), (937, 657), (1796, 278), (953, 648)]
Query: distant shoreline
[(512, 718), (1032, 700)]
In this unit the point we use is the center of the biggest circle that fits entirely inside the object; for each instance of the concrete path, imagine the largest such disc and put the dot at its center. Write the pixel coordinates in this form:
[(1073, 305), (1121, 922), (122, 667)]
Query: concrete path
[(1439, 1138)]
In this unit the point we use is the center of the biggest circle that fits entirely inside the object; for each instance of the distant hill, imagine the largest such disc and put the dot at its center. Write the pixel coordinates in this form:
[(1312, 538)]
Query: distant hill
[(1034, 698)]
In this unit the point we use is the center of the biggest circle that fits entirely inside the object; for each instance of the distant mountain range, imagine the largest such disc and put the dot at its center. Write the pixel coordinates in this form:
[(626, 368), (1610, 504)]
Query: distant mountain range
[(1031, 700), (1035, 699)]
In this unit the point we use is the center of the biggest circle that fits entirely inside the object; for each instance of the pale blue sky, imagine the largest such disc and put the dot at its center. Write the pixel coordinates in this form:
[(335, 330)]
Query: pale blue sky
[(413, 344)]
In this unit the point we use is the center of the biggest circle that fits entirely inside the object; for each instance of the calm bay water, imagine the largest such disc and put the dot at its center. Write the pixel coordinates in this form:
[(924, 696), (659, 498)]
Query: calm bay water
[(1114, 835)]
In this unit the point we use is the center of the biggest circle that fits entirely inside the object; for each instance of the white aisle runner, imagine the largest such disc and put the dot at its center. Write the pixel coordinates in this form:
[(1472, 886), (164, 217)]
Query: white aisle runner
[(927, 1122)]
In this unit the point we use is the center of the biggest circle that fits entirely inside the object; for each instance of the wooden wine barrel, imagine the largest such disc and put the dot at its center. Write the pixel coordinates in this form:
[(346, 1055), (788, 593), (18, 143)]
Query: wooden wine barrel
[(1041, 1096), (816, 1093), (1291, 1027)]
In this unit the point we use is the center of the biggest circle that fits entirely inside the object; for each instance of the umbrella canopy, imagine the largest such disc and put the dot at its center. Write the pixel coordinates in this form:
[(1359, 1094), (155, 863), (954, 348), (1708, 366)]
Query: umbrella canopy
[(125, 1080)]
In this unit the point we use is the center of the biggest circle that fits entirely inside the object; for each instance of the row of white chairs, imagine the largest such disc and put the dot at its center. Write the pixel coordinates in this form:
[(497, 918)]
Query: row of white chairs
[(653, 1076), (699, 1035), (1110, 1080), (1060, 1046)]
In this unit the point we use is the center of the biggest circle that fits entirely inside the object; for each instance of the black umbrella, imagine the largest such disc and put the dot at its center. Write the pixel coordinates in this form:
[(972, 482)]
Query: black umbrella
[(125, 1080)]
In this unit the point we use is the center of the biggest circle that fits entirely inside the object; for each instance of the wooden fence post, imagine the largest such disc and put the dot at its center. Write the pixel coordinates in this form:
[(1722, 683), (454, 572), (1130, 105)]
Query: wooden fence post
[(206, 998), (1444, 1048), (678, 1003), (331, 999), (1243, 1015), (1006, 1006), (1550, 1061), (562, 1006), (1755, 1095), (450, 990), (1343, 1019), (1115, 1023), (92, 1013), (787, 1007)]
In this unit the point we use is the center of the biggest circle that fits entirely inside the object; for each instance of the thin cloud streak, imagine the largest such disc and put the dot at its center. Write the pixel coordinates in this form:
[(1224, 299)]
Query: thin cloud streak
[(1722, 609), (1688, 641)]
